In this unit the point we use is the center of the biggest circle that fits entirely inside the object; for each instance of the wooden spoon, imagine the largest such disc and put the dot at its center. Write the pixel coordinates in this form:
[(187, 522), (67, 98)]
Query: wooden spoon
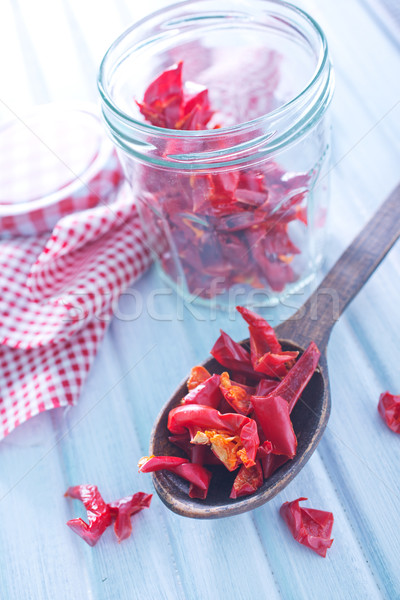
[(313, 321)]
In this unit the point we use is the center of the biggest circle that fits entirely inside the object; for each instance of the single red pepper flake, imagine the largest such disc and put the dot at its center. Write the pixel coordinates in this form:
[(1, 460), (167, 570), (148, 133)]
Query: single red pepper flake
[(207, 393), (294, 383), (196, 112), (265, 386), (197, 375), (236, 394), (265, 448), (247, 481), (271, 462), (266, 352), (389, 409), (198, 476), (275, 365), (98, 512), (267, 340), (232, 355), (309, 526), (272, 413), (122, 510), (162, 101), (166, 105)]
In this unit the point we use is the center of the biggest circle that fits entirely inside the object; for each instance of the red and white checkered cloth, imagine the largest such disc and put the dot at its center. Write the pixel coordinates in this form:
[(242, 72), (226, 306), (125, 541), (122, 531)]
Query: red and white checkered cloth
[(56, 291)]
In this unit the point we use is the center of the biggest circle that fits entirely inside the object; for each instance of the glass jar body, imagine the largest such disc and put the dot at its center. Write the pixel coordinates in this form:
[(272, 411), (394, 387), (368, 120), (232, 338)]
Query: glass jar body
[(235, 213)]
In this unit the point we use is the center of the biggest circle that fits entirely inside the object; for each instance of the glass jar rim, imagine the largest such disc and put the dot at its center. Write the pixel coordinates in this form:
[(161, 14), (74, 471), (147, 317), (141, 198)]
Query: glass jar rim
[(195, 134)]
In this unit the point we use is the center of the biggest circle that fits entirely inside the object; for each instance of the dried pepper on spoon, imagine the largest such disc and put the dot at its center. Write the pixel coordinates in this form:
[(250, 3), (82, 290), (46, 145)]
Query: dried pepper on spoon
[(197, 475), (238, 419)]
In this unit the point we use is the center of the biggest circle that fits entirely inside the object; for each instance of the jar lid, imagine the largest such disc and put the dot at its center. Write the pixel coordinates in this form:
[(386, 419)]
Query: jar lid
[(54, 160)]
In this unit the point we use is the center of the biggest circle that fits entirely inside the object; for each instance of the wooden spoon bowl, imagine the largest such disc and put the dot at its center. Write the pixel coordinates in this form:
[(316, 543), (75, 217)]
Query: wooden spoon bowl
[(312, 322)]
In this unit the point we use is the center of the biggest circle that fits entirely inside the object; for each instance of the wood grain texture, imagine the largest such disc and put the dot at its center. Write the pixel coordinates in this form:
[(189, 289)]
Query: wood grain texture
[(50, 50)]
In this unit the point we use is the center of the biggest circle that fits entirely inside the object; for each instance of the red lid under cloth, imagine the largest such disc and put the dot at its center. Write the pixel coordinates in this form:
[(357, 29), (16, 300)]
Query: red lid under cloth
[(53, 161)]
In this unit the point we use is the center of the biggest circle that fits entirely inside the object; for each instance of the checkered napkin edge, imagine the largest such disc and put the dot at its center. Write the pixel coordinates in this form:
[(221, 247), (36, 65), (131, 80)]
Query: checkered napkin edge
[(53, 289)]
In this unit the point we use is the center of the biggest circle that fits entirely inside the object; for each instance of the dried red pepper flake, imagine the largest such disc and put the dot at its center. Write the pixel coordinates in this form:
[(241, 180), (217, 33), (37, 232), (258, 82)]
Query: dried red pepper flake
[(292, 385), (198, 476), (100, 514), (236, 394), (232, 355), (162, 101), (245, 213), (273, 416), (265, 386), (122, 510), (262, 330), (275, 365), (309, 526), (207, 393), (196, 112), (271, 462), (265, 350), (389, 409), (165, 103), (247, 481), (197, 375)]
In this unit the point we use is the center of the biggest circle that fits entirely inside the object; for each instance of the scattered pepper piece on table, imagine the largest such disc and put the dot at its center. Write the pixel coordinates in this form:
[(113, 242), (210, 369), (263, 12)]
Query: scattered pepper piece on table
[(389, 409), (122, 510), (100, 514), (309, 526)]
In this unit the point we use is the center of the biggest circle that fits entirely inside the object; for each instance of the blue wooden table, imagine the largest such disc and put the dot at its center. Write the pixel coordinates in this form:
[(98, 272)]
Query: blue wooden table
[(50, 51)]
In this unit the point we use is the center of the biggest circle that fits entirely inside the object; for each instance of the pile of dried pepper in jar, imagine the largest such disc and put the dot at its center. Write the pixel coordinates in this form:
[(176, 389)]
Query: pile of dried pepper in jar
[(239, 419), (224, 227)]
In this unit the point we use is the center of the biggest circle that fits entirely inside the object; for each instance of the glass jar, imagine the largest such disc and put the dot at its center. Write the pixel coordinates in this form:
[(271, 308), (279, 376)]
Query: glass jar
[(235, 208)]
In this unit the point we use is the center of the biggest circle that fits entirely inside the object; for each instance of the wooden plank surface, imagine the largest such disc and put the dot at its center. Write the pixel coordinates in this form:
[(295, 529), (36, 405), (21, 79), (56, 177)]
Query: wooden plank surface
[(51, 50)]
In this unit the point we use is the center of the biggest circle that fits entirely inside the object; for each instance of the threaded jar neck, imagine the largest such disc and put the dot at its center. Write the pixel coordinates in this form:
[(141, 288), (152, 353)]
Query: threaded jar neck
[(202, 35)]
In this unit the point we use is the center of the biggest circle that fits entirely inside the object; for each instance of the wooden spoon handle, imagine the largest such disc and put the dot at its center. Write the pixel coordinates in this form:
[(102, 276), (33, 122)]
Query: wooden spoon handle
[(315, 319)]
